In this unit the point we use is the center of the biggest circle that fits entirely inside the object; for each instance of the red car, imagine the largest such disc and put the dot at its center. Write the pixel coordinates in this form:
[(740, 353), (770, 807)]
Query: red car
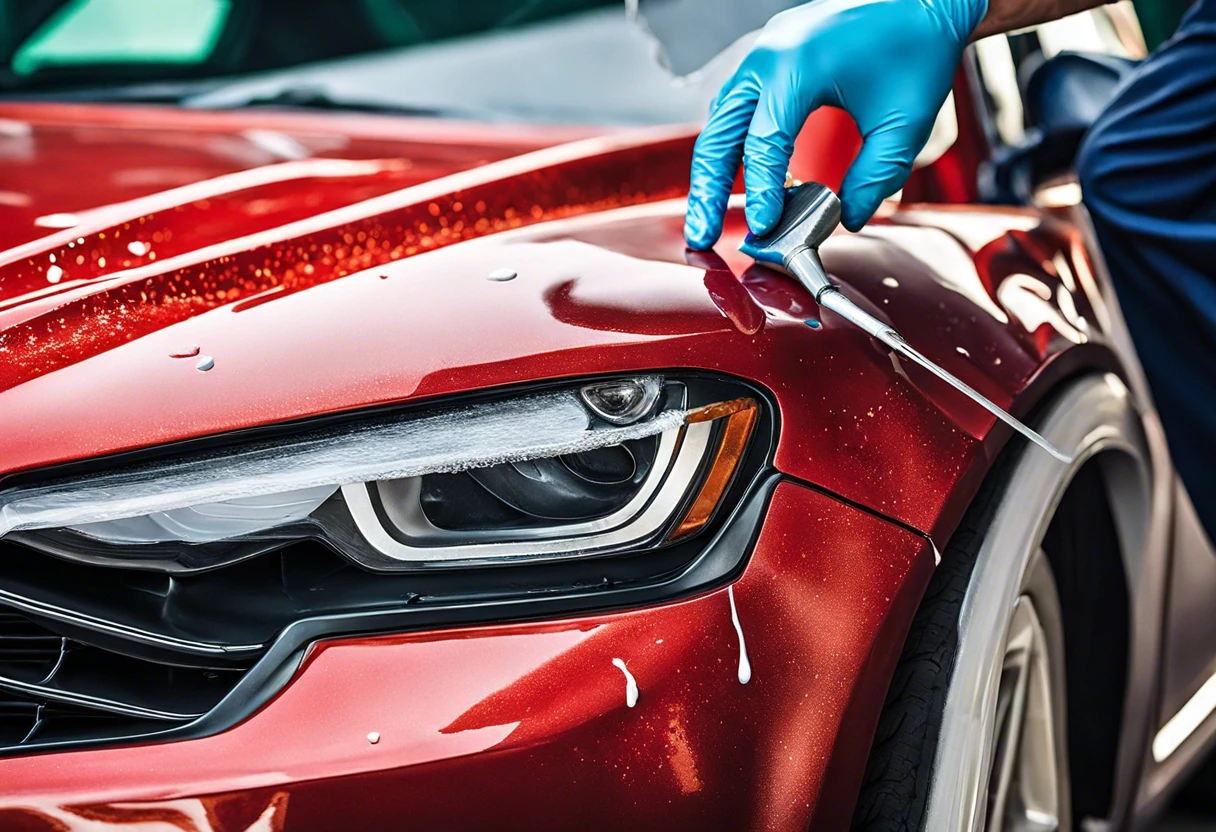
[(390, 471)]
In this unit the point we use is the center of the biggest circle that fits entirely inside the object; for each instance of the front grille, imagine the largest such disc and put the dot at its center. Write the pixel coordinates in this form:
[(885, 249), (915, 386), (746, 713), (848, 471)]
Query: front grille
[(93, 654), (54, 688), (27, 651)]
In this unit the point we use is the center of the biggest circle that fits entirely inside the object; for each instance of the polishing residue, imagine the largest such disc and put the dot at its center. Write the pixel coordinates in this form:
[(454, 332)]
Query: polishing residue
[(185, 351), (382, 447), (373, 737), (631, 685), (745, 666)]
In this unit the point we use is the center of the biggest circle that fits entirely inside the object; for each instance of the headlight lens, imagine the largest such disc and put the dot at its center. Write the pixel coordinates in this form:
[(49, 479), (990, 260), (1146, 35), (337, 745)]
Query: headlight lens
[(210, 522), (614, 465)]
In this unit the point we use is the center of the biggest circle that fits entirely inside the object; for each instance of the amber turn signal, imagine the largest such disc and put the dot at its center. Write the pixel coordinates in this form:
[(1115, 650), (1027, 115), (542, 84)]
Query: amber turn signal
[(740, 415)]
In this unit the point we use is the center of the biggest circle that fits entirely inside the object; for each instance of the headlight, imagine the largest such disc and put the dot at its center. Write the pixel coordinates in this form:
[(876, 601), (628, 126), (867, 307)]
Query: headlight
[(611, 466)]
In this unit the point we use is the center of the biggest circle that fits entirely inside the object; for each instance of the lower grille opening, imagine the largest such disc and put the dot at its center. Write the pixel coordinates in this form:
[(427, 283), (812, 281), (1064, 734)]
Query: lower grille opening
[(27, 651), (27, 723), (54, 688)]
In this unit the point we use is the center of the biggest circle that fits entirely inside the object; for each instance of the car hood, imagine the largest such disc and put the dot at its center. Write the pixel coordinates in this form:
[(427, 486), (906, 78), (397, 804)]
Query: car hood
[(350, 263), (323, 263)]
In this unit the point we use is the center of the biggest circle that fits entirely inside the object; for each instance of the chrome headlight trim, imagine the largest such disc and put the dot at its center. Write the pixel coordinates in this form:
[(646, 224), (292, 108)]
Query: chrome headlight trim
[(681, 454)]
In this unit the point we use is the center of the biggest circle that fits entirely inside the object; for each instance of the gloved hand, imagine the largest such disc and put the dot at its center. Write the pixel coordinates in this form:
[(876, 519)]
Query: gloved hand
[(888, 63)]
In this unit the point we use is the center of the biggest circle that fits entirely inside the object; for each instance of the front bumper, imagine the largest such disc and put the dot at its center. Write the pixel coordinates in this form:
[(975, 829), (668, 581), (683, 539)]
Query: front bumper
[(526, 726)]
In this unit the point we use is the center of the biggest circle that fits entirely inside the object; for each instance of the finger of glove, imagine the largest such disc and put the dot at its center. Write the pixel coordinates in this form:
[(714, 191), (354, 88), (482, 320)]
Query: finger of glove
[(779, 117), (715, 162), (880, 169)]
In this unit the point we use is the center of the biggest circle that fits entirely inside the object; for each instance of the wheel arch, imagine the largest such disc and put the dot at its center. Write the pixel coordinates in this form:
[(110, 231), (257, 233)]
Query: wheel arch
[(1115, 495)]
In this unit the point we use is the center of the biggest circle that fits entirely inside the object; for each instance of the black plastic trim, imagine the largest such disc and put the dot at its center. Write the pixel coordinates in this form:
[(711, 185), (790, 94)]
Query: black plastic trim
[(85, 700)]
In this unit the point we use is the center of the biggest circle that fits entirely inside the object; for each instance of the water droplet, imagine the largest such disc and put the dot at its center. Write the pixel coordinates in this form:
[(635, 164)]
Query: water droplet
[(502, 275), (890, 282), (54, 274), (186, 351), (813, 323), (962, 351), (205, 363), (138, 248), (373, 737)]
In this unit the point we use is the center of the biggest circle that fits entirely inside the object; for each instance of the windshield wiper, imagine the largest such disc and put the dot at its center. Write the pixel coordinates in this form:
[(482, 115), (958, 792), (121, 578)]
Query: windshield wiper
[(314, 98), (317, 97)]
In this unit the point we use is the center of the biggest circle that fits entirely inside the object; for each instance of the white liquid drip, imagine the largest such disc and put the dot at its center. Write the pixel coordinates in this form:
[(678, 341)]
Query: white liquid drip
[(745, 666), (631, 685)]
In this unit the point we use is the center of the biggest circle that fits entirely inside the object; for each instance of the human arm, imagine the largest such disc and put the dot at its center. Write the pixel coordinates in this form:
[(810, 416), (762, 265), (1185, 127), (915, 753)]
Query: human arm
[(1007, 15)]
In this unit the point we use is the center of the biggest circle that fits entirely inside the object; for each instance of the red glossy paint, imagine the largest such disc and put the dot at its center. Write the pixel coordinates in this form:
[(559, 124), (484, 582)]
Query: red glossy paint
[(356, 277), (604, 288), (526, 726), (71, 159)]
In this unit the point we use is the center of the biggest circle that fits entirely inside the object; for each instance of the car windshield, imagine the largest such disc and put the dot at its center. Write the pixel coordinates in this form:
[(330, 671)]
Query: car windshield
[(575, 61)]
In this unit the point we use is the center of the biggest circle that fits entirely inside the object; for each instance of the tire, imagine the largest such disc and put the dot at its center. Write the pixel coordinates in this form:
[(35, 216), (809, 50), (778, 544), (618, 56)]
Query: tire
[(896, 787), (944, 756)]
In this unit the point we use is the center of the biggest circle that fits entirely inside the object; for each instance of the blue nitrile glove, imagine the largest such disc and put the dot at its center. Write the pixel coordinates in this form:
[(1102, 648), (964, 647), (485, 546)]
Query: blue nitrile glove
[(888, 63)]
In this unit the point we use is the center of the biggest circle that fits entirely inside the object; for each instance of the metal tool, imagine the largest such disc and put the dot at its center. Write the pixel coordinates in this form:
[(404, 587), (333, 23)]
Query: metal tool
[(812, 212)]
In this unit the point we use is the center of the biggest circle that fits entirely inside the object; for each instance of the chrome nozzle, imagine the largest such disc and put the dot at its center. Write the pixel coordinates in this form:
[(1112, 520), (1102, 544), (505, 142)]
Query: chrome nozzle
[(812, 212)]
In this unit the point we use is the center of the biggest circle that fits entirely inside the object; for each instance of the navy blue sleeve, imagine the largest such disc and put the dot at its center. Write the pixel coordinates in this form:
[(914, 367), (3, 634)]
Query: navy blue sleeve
[(1148, 174)]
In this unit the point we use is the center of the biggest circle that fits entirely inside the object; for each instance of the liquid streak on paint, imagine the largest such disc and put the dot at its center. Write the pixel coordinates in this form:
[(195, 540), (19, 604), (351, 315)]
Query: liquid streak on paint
[(745, 666), (631, 685)]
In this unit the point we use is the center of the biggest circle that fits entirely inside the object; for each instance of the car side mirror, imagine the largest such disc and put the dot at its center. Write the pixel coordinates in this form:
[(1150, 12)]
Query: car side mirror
[(1062, 97)]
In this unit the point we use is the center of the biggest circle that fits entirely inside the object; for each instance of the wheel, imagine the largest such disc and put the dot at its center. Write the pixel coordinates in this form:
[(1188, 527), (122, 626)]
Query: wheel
[(974, 732), (1028, 775), (1024, 762)]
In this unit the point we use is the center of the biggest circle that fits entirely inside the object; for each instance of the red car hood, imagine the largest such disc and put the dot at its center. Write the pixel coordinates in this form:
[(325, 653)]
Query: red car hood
[(130, 235), (332, 263)]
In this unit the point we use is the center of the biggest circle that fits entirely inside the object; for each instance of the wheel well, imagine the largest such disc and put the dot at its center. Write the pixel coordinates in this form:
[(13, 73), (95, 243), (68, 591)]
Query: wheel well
[(1084, 545)]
